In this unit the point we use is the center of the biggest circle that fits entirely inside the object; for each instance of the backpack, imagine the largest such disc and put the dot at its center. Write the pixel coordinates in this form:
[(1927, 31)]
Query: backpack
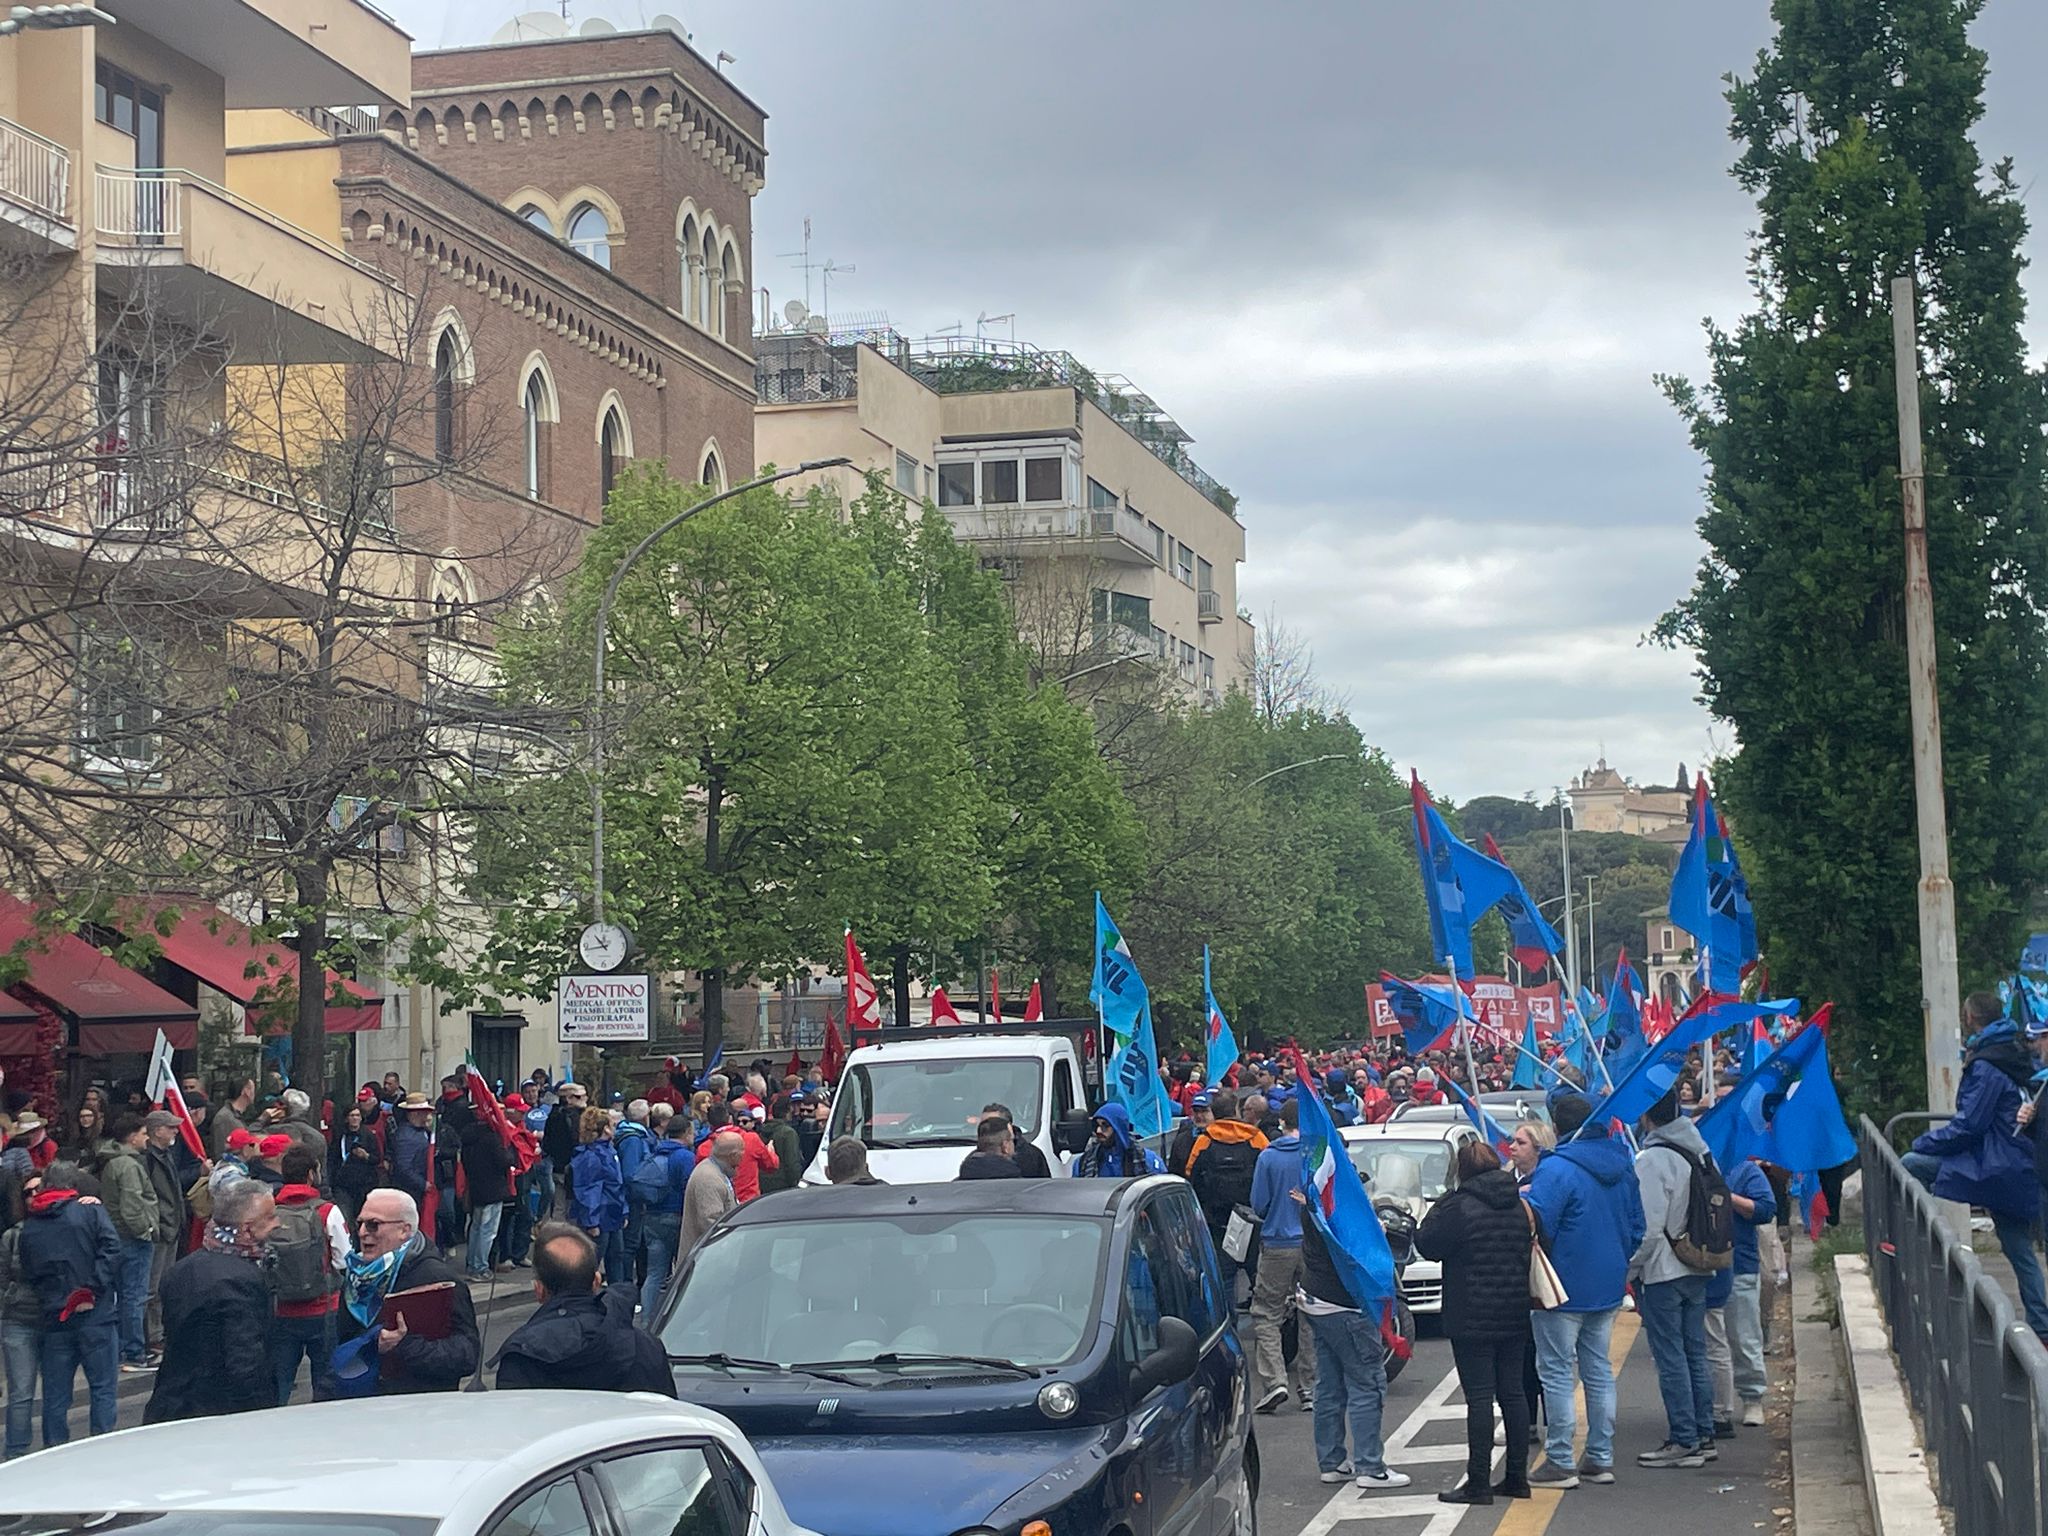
[(303, 1272), (651, 1181), (1708, 1241)]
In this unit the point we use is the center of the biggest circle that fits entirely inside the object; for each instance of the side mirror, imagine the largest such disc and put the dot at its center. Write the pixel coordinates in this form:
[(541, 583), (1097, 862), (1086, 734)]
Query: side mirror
[(1172, 1362), (1072, 1133)]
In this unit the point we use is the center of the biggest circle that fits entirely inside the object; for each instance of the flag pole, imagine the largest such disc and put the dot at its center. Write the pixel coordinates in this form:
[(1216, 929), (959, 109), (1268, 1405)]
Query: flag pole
[(1599, 1056), (1464, 1028)]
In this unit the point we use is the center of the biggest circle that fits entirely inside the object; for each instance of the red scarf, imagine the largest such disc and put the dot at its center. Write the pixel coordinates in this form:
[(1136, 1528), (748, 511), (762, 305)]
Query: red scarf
[(49, 1199)]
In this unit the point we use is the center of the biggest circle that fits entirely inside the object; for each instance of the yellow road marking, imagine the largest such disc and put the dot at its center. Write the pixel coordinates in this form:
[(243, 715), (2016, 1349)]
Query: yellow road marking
[(1532, 1516)]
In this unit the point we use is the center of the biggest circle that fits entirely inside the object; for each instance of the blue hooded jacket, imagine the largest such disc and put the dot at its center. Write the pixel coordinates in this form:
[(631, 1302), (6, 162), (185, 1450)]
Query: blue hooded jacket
[(1747, 1180), (1125, 1160), (1590, 1211), (1985, 1160), (1274, 1176)]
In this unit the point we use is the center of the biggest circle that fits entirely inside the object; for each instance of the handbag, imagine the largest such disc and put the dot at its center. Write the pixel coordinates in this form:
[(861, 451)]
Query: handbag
[(1546, 1289), (1238, 1232)]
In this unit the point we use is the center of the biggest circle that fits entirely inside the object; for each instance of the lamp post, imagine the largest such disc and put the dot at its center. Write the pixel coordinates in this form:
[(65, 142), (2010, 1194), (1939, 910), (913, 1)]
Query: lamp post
[(1306, 762), (604, 619)]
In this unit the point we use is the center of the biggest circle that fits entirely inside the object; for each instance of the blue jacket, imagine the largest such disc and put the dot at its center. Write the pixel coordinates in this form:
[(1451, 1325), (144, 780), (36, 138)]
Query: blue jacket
[(1984, 1158), (1277, 1172), (1125, 1159), (678, 1163), (69, 1247), (409, 1158), (1591, 1214), (599, 1203), (1747, 1180), (632, 1141)]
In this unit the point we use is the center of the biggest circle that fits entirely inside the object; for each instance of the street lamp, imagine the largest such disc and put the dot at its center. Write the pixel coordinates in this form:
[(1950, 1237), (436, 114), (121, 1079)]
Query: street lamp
[(604, 620), (1306, 762), (36, 18)]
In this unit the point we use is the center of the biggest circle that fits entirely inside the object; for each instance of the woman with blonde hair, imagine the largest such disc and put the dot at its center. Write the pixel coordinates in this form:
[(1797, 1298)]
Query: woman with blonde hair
[(598, 1202)]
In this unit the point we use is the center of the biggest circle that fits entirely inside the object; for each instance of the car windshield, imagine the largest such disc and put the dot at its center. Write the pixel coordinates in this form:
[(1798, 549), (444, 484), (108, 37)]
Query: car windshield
[(1020, 1288), (934, 1103), (201, 1522), (1409, 1170)]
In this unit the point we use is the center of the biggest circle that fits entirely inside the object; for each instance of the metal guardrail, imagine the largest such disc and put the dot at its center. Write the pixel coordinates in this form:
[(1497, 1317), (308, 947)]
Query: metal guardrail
[(1977, 1375), (142, 208), (35, 171)]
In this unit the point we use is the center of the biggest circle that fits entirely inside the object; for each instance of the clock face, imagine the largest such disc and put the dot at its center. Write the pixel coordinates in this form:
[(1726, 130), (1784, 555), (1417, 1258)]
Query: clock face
[(603, 946)]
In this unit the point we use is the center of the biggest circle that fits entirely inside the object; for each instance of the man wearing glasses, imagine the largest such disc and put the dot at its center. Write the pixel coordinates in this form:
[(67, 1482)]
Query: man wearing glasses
[(393, 1255)]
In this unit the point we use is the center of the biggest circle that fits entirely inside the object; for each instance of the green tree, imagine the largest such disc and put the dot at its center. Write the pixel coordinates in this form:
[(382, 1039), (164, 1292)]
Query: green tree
[(1855, 133)]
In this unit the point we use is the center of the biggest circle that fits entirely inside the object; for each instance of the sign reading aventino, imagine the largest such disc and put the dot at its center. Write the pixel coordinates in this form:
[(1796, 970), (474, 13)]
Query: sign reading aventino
[(604, 1008)]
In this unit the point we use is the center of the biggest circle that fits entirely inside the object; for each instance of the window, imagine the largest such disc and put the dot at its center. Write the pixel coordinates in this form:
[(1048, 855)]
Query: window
[(1158, 543), (1187, 661), (906, 474), (712, 305), (688, 256), (673, 1491), (590, 235), (611, 453), (1045, 480), (129, 107), (1100, 495), (956, 485), (444, 397), (714, 472), (1062, 1090), (533, 422), (120, 681), (930, 483), (1162, 643), (135, 476), (1128, 609), (1184, 564), (1205, 575), (538, 218), (1666, 945), (999, 483), (556, 1510), (1205, 668)]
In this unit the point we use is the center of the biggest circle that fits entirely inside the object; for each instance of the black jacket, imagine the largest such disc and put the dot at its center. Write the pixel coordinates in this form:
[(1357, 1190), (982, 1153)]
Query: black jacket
[(1318, 1275), (68, 1247), (989, 1165), (1222, 1171), (587, 1343), (558, 1136), (1031, 1162), (1183, 1144), (348, 1174), (217, 1322), (165, 1177), (487, 1163), (1480, 1232), (423, 1365)]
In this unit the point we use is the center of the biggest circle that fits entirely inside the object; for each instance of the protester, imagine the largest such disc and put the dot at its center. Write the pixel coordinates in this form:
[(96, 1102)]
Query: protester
[(1114, 1152), (1981, 1156), (1220, 1166), (1351, 1372), (598, 1199), (581, 1337), (1257, 1110), (1275, 1177), (1198, 1120), (529, 1190), (757, 1159), (310, 1250), (1735, 1338), (1526, 1147), (233, 1110), (21, 1344), (411, 1148), (709, 1197), (1030, 1161), (1670, 1293), (394, 1255), (163, 1142), (130, 1199), (84, 1140), (782, 1141), (34, 1141), (352, 1161), (487, 1177), (810, 1127), (266, 1159), (2031, 1120), (452, 1119), (632, 1140), (303, 1126), (846, 1162), (994, 1144), (218, 1321), (661, 1183), (71, 1257), (1481, 1233)]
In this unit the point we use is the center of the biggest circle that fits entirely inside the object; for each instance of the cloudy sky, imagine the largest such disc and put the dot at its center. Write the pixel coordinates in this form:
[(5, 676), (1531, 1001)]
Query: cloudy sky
[(1404, 271)]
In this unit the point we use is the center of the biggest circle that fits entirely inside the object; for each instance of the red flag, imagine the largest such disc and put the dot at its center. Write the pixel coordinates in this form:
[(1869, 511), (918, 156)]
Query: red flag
[(832, 1060), (863, 1007), (995, 992), (173, 1099), (1034, 1007), (430, 1202), (796, 1064), (943, 1011), (521, 1143)]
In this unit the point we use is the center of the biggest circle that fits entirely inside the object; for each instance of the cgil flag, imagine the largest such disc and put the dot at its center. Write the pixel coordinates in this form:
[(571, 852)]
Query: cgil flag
[(161, 1088), (1034, 1006), (863, 1005), (832, 1057), (1459, 884), (1342, 1210), (943, 1011), (1222, 1043)]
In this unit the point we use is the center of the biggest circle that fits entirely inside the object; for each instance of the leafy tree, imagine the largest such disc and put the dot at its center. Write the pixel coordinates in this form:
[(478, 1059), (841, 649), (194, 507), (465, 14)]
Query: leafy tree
[(1505, 819), (1855, 133)]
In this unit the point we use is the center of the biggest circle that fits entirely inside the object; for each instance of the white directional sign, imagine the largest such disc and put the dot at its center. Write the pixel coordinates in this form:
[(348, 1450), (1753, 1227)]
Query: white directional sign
[(603, 1008)]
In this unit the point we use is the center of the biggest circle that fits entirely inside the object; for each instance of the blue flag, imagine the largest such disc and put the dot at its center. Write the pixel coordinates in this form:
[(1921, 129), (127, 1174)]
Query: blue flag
[(1125, 1005), (1428, 1015), (1528, 1060), (1496, 1136), (1785, 1112), (1625, 1002), (1460, 885), (1529, 932), (1117, 990), (1580, 1049), (1660, 1065), (1341, 1208), (1222, 1043), (1710, 898)]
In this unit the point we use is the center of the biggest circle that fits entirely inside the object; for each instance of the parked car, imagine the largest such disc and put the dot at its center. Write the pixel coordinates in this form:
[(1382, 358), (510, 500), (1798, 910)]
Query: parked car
[(990, 1356), (476, 1464), (1507, 1106), (1411, 1163)]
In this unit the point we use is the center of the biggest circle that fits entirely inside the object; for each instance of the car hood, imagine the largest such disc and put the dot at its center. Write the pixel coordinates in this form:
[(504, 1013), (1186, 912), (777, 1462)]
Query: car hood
[(904, 1165), (923, 1485)]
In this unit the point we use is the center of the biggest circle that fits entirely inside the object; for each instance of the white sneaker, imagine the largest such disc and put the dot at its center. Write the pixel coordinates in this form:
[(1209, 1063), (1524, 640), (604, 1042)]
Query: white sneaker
[(1753, 1416), (1387, 1479), (1341, 1474)]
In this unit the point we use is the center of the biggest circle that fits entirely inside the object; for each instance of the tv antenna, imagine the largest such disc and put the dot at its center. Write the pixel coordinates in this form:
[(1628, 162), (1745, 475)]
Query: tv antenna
[(803, 259), (984, 320), (828, 269)]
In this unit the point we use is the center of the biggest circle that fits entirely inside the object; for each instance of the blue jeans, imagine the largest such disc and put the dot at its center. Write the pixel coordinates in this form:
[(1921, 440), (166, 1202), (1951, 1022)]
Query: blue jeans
[(515, 1232), (611, 1254), (21, 1346), (2015, 1238), (66, 1347), (133, 1294), (483, 1231), (293, 1337), (664, 1236), (1565, 1340), (1351, 1380), (1675, 1317)]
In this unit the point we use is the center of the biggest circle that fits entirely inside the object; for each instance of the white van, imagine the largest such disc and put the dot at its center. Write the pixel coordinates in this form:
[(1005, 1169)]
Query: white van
[(915, 1098)]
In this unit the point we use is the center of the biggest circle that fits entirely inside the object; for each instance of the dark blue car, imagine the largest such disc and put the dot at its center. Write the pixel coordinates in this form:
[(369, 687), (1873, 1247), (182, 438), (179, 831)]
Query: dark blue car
[(1019, 1357)]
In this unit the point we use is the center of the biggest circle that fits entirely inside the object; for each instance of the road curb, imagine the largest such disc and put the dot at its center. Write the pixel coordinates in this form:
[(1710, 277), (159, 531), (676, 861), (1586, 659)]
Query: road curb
[(1895, 1474), (1829, 1497)]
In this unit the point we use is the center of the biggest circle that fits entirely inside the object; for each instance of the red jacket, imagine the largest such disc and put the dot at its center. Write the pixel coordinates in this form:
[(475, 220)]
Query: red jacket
[(759, 1159), (319, 1306)]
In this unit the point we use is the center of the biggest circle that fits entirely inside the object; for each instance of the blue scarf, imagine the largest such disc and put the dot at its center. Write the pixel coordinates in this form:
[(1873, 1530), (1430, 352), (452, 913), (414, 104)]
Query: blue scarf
[(365, 1281)]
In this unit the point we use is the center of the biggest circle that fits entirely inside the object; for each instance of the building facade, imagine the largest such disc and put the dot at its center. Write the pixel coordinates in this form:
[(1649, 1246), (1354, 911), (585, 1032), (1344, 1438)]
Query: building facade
[(1604, 801)]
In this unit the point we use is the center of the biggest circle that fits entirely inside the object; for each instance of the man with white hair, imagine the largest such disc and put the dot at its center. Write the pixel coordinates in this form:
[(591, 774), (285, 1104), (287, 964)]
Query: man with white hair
[(633, 1142), (303, 1127), (218, 1315), (708, 1197), (393, 1255)]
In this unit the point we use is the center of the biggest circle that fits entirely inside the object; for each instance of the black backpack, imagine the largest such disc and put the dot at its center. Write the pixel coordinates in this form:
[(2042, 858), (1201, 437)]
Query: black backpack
[(1707, 1242), (302, 1272)]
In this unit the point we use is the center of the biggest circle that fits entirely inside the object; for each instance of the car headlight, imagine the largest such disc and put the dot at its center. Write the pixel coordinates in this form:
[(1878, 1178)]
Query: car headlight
[(1058, 1399)]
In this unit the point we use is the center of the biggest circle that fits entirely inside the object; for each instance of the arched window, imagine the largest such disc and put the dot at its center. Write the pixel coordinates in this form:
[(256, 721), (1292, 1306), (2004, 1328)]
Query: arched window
[(713, 473), (728, 280), (590, 235), (533, 421), (712, 316), (537, 216), (611, 452), (445, 364), (687, 260)]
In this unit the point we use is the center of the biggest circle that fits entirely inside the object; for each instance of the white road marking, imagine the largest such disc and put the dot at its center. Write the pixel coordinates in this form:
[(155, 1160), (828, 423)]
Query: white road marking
[(1354, 1503)]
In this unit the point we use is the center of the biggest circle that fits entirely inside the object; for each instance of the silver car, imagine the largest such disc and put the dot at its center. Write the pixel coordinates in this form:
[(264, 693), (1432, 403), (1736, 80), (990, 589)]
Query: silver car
[(466, 1464)]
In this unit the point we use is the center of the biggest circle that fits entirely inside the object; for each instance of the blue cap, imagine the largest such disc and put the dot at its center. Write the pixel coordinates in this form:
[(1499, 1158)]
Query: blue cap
[(1199, 1101)]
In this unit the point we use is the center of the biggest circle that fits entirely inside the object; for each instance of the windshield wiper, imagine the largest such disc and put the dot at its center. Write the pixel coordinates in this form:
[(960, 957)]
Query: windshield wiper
[(900, 1358), (732, 1363)]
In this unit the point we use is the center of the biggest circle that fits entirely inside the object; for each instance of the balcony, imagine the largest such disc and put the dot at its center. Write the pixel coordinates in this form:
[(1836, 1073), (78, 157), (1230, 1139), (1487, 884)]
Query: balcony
[(193, 251), (1209, 606), (1052, 529), (35, 188), (281, 53)]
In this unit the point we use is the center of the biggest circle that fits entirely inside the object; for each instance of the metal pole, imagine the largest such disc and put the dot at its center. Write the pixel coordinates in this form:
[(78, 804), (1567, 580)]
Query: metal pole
[(1592, 944), (604, 621), (1571, 932), (1940, 990)]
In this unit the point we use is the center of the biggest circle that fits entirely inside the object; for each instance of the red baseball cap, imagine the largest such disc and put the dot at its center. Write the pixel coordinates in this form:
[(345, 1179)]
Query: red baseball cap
[(241, 1136), (274, 1146)]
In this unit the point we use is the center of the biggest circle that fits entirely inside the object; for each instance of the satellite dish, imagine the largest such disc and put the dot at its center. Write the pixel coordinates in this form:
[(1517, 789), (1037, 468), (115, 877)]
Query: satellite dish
[(816, 325), (529, 25), (795, 313), (597, 26), (667, 23)]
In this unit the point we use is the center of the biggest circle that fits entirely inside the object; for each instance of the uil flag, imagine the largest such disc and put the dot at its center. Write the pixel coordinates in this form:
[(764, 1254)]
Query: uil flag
[(1034, 1006), (1496, 1135), (1529, 1059), (1710, 898), (943, 1011), (1222, 1056), (863, 1007), (1117, 990), (1785, 1112), (1342, 1210), (1534, 940), (1759, 1046), (1659, 1065), (1459, 883)]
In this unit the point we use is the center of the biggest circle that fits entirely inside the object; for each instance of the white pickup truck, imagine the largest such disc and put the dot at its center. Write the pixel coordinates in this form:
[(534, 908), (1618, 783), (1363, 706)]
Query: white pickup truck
[(914, 1096)]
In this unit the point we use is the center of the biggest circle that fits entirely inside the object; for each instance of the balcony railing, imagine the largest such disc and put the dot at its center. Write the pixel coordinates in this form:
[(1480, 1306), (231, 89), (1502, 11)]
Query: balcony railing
[(35, 172), (139, 209), (1209, 607)]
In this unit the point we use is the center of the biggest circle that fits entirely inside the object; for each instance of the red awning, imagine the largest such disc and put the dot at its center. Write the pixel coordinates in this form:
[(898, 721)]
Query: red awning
[(257, 974), (88, 989)]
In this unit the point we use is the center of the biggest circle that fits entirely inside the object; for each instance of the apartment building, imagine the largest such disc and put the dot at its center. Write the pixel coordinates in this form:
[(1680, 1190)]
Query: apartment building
[(266, 203), (1077, 486)]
